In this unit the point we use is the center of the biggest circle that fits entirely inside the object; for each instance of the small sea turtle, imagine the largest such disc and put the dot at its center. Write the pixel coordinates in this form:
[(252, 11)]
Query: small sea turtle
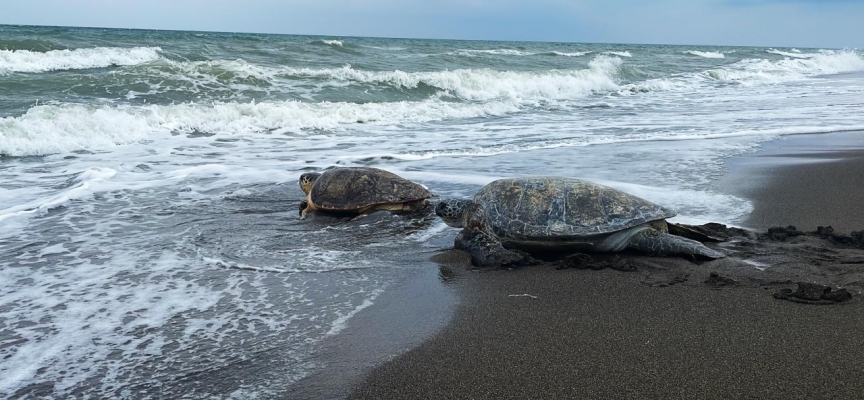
[(560, 215), (360, 190)]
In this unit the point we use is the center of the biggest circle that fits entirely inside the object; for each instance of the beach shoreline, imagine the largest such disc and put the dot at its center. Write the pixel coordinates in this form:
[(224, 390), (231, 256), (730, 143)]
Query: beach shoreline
[(802, 180), (660, 332)]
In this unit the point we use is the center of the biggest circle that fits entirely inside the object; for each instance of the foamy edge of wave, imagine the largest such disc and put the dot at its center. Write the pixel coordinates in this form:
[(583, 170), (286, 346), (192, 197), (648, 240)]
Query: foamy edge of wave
[(793, 54), (624, 53), (756, 71), (58, 129), (487, 84), (84, 58), (750, 71), (574, 54), (89, 181), (601, 140), (500, 52)]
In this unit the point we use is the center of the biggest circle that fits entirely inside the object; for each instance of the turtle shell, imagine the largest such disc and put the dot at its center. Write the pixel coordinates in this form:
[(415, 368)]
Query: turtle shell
[(557, 208), (350, 189)]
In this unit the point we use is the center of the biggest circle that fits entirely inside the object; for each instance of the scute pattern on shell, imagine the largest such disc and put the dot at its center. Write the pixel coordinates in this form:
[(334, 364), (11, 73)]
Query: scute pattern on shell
[(348, 189), (557, 208)]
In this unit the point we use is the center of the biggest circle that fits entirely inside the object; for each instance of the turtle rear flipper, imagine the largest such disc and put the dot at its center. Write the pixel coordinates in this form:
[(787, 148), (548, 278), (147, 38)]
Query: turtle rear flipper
[(658, 243), (693, 232)]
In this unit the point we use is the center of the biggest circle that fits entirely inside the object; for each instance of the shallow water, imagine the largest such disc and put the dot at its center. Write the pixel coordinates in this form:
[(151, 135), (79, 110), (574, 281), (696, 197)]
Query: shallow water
[(148, 211)]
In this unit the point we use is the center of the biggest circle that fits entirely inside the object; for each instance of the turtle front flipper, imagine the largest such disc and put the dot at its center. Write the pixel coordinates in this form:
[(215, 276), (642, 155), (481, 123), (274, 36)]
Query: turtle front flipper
[(658, 243), (486, 251)]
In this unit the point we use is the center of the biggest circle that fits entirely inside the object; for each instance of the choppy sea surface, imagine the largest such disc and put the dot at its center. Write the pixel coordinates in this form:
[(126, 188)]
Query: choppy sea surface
[(149, 233)]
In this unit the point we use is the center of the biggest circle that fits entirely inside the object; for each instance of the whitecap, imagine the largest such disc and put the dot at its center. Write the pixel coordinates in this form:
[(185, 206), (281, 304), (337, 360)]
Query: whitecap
[(706, 54), (793, 54), (84, 58), (619, 53), (574, 54)]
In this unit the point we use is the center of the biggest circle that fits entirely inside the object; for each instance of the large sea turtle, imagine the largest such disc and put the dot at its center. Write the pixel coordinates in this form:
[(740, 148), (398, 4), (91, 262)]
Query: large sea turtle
[(560, 215), (360, 190)]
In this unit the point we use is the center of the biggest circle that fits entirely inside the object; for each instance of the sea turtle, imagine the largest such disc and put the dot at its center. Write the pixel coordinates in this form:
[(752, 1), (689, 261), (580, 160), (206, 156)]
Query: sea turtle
[(557, 214), (360, 190)]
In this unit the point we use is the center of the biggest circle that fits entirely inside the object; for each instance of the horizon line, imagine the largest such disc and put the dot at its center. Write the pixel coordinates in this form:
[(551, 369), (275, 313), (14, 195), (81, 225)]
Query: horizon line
[(409, 38)]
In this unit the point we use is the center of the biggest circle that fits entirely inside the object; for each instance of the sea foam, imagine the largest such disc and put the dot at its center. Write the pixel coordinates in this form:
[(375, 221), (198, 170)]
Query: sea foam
[(504, 52), (793, 53), (754, 71), (618, 53), (487, 84), (574, 54), (759, 71), (54, 129), (65, 128), (58, 60)]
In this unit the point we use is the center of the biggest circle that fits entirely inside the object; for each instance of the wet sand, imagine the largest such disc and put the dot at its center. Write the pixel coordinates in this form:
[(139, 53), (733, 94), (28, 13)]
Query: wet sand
[(665, 329), (805, 181)]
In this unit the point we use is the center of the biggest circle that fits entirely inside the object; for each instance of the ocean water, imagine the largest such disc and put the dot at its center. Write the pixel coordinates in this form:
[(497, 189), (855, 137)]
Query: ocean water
[(150, 245)]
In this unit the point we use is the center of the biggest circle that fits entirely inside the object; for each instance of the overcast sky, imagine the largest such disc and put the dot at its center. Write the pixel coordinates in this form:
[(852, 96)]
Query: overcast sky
[(795, 23)]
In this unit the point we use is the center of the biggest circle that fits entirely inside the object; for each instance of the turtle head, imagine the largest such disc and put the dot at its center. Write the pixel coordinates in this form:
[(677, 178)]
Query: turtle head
[(454, 212), (306, 181)]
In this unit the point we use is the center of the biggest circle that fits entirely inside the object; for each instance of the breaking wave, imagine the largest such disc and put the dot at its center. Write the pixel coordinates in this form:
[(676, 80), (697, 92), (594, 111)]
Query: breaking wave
[(754, 71), (58, 60), (329, 42), (505, 52), (758, 71), (794, 53), (574, 54), (619, 53), (66, 128), (487, 84), (706, 54)]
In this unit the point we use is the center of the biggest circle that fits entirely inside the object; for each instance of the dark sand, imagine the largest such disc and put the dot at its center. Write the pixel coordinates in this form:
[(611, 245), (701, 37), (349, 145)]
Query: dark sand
[(661, 331), (805, 181)]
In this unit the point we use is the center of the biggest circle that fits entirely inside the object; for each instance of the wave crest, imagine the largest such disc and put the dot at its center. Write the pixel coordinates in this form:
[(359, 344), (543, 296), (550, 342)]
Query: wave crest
[(793, 53), (501, 52), (624, 53), (487, 84), (58, 60), (328, 42), (574, 54), (55, 129), (706, 54), (753, 71)]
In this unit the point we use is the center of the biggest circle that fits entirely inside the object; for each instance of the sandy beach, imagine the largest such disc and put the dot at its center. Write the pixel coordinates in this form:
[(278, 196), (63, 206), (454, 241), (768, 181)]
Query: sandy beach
[(152, 244), (665, 328)]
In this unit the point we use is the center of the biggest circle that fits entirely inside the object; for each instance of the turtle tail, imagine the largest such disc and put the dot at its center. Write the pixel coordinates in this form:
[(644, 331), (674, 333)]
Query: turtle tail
[(658, 243)]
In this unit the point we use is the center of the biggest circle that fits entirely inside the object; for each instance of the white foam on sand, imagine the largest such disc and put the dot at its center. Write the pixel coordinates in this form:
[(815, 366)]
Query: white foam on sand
[(66, 316), (341, 322), (87, 182)]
